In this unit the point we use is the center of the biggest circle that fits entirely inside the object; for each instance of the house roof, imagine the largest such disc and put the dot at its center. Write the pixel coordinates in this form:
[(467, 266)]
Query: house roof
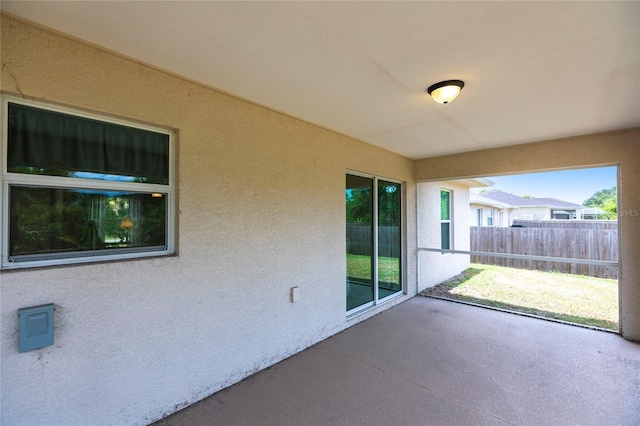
[(516, 200), (555, 203), (484, 201), (532, 70)]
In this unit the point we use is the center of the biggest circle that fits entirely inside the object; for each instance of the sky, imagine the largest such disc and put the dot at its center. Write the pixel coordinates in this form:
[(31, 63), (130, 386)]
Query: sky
[(574, 186)]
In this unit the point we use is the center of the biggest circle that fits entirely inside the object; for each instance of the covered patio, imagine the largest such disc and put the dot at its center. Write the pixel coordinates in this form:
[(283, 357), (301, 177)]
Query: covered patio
[(131, 288), (449, 364)]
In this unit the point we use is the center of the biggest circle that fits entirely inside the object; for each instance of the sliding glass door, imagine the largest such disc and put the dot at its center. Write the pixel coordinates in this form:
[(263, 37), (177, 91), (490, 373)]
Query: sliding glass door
[(389, 241), (374, 243), (360, 271)]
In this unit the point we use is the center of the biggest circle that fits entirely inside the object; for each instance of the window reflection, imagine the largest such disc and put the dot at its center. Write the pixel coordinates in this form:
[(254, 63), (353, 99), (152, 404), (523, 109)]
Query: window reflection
[(359, 203), (389, 242), (52, 220)]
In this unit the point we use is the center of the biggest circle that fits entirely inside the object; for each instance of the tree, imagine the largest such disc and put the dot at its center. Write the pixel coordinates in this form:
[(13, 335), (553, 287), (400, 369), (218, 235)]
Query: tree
[(606, 200), (359, 205), (389, 204)]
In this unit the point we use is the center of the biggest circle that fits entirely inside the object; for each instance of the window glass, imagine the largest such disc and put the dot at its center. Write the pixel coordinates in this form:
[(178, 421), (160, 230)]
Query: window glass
[(360, 265), (55, 220), (389, 238), (445, 219), (445, 201), (445, 236), (78, 189), (52, 143)]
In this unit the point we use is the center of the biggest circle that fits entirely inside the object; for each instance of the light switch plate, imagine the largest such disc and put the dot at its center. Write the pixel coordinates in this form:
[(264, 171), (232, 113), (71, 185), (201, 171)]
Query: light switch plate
[(36, 327), (295, 294)]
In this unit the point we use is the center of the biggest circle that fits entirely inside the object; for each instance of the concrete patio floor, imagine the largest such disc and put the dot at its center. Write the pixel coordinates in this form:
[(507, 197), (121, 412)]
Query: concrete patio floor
[(435, 362)]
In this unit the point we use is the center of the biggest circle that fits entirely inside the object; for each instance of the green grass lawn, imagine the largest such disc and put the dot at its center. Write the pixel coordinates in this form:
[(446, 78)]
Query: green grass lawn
[(359, 267), (572, 298)]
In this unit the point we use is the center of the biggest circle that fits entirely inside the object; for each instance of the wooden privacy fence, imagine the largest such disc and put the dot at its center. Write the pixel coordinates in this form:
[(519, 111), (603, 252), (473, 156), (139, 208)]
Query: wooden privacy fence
[(567, 223), (359, 240), (577, 243)]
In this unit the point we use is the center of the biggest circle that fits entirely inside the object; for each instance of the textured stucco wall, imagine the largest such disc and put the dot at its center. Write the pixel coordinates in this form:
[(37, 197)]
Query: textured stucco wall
[(433, 268), (261, 209), (621, 148)]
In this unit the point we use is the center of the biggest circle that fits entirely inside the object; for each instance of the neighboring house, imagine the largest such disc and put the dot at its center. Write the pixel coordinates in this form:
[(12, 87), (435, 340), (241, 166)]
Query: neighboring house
[(537, 208), (488, 212)]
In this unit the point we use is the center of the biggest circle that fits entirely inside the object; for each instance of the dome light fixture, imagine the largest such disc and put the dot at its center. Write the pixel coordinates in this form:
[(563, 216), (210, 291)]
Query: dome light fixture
[(445, 91)]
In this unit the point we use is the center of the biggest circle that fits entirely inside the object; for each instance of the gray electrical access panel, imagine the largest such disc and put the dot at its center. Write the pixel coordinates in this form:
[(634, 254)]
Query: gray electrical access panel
[(36, 327)]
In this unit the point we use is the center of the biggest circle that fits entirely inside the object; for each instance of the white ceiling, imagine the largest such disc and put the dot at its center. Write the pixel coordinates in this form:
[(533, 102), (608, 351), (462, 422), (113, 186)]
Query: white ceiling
[(533, 70)]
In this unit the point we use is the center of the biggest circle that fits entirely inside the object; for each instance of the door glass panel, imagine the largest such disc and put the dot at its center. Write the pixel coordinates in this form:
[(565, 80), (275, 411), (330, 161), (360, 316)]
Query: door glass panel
[(389, 237), (359, 203)]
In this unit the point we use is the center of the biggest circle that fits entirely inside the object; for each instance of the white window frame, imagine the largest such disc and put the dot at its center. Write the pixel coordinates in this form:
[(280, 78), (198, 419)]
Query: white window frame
[(449, 221), (490, 217), (7, 179)]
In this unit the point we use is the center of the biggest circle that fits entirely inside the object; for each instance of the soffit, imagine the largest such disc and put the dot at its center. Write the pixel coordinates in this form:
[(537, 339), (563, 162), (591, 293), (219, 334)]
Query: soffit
[(533, 70)]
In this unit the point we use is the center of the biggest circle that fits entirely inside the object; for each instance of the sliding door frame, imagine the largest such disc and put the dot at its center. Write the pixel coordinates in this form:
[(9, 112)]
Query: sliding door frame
[(375, 242)]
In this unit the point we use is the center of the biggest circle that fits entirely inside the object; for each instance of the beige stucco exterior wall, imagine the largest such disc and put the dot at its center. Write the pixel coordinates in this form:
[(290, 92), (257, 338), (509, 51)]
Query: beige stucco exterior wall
[(261, 209), (620, 148), (433, 267)]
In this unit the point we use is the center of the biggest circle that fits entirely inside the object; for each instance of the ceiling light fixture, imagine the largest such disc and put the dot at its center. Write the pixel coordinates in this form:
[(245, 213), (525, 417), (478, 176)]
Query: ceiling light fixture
[(445, 91)]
